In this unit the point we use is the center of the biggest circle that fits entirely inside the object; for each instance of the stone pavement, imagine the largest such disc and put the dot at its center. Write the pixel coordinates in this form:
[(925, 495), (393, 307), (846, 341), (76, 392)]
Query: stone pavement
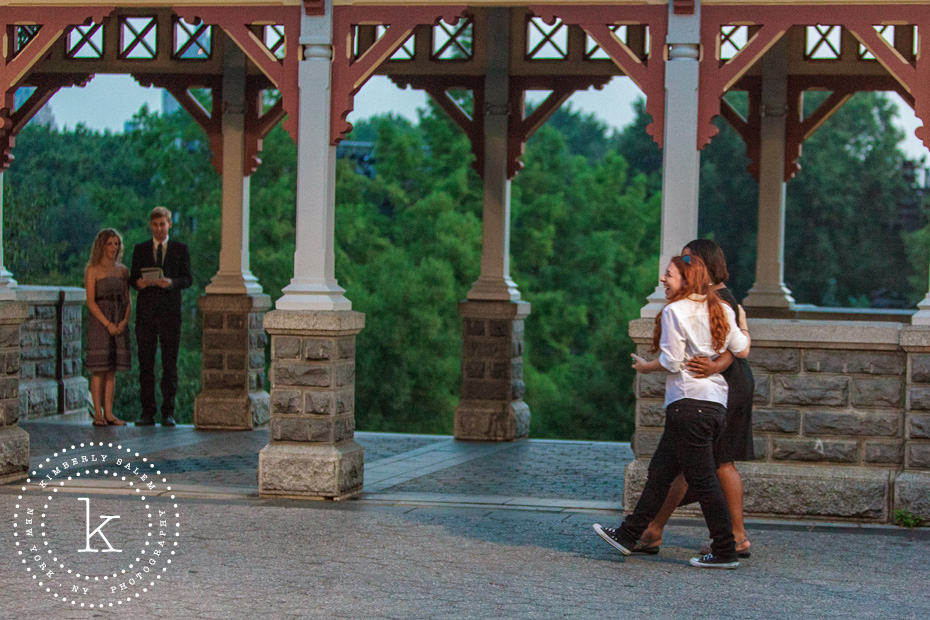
[(462, 530)]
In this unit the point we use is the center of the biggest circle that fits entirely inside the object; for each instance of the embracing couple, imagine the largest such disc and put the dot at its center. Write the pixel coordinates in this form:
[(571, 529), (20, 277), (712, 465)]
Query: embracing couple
[(702, 339)]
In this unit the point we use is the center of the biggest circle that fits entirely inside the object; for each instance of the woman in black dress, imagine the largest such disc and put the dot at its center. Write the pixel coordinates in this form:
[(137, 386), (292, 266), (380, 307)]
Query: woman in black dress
[(106, 282), (735, 443)]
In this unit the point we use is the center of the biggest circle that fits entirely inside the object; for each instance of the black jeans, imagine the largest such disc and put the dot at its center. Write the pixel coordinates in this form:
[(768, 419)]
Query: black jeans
[(687, 446)]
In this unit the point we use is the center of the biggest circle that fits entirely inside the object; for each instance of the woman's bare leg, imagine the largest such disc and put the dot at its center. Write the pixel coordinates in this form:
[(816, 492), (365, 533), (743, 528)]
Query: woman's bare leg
[(732, 484), (110, 391), (96, 393), (675, 494)]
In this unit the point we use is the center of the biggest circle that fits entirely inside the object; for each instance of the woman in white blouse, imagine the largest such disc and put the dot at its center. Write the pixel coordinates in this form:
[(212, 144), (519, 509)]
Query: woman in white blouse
[(693, 323)]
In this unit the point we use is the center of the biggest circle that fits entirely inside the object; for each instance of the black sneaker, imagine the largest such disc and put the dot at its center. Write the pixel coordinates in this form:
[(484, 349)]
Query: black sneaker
[(712, 561), (612, 536)]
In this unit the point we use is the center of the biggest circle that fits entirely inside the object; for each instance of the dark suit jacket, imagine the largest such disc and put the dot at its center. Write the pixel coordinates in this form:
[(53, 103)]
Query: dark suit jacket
[(153, 300)]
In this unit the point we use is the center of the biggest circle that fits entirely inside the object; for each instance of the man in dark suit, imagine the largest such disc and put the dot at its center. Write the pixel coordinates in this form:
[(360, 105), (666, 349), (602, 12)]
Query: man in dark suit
[(158, 312)]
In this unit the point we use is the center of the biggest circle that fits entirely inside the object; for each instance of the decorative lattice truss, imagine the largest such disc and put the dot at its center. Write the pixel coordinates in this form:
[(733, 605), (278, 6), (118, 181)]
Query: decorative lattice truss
[(863, 48), (733, 39), (546, 41), (453, 41), (823, 42), (192, 41), (180, 50), (85, 41), (138, 38)]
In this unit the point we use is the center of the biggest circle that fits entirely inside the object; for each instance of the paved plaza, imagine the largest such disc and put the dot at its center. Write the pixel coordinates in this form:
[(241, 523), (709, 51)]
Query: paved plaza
[(462, 530)]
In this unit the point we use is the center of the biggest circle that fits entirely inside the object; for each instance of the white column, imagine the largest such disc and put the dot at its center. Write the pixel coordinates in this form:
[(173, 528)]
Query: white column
[(681, 159), (314, 285), (234, 276), (769, 290), (7, 283), (494, 283)]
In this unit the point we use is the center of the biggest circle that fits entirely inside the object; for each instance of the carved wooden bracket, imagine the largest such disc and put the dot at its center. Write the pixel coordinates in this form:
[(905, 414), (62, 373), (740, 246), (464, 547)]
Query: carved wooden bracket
[(13, 122), (258, 123), (180, 85), (521, 128), (910, 79), (350, 72), (649, 74), (471, 122), (16, 63), (238, 25), (717, 76)]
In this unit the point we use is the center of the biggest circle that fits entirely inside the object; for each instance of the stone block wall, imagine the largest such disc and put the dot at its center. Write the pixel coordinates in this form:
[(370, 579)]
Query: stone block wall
[(232, 392), (39, 385), (840, 401)]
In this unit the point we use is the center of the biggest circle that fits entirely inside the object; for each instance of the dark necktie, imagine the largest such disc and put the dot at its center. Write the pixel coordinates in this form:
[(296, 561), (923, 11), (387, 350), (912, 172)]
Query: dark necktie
[(160, 256)]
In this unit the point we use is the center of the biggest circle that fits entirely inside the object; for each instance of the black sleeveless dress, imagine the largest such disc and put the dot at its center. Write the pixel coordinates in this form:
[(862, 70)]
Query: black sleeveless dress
[(735, 442)]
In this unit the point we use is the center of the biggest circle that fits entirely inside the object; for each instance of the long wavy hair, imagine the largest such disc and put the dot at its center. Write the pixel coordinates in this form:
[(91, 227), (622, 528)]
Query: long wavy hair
[(100, 241), (696, 281)]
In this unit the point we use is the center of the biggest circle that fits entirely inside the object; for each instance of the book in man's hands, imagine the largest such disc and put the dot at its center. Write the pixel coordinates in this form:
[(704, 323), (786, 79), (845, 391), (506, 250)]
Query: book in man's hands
[(152, 273)]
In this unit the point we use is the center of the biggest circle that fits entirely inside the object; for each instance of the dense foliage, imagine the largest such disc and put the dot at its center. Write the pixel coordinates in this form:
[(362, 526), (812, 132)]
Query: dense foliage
[(584, 241)]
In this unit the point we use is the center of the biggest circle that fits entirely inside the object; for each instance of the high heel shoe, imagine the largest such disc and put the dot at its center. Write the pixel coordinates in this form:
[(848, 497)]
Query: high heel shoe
[(115, 421)]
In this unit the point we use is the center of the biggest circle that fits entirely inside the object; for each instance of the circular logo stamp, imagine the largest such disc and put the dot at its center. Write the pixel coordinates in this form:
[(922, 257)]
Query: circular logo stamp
[(96, 525)]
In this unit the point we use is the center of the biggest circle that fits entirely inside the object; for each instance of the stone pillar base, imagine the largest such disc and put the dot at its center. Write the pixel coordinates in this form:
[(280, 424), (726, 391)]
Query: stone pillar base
[(14, 454), (311, 470), (795, 491), (232, 395), (312, 453), (491, 406), (768, 296), (14, 441), (912, 493)]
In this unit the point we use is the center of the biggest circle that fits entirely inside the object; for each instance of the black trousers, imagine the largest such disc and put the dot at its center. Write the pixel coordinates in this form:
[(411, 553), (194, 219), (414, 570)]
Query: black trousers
[(164, 329), (687, 446)]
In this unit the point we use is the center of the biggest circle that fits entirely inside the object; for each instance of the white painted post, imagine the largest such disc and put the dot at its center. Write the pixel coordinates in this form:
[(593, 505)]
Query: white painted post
[(234, 276), (681, 159), (769, 290), (314, 285)]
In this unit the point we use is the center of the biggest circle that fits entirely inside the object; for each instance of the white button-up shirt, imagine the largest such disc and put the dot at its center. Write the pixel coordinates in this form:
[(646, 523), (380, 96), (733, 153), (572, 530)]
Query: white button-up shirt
[(686, 334)]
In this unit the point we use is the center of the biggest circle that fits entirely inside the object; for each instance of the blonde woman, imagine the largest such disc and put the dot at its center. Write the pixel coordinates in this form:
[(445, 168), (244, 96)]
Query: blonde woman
[(106, 281)]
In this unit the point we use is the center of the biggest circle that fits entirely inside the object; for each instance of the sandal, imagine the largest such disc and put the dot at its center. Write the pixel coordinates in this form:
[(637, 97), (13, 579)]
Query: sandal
[(114, 422), (650, 547), (740, 553), (99, 422)]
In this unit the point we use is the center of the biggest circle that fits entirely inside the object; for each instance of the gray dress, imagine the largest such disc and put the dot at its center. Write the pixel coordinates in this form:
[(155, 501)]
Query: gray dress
[(106, 352)]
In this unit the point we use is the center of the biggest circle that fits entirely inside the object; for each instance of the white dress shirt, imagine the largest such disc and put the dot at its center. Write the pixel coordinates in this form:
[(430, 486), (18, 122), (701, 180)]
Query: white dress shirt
[(686, 334)]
